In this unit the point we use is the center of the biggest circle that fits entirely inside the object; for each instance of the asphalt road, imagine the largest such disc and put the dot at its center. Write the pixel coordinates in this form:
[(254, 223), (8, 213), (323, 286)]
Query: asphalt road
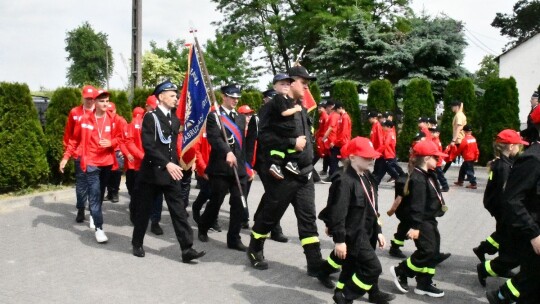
[(46, 257)]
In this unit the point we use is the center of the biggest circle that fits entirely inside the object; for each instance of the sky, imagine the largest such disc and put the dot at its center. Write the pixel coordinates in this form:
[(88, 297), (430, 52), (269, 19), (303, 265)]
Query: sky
[(32, 32)]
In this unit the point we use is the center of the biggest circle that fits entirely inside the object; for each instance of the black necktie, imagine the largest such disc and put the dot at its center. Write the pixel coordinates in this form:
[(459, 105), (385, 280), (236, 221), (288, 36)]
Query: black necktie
[(169, 118), (233, 115)]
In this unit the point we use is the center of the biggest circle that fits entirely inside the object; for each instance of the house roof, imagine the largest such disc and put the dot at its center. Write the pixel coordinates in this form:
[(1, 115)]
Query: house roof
[(515, 46)]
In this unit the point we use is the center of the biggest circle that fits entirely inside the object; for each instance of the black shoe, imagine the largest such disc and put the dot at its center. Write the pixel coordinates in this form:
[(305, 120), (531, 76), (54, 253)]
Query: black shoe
[(257, 260), (279, 237), (115, 198), (216, 227), (275, 171), (380, 297), (446, 189), (322, 173), (396, 252), (481, 256), (429, 290), (327, 180), (203, 236), (156, 229), (400, 280), (441, 257), (245, 225), (339, 298), (191, 254), (482, 274), (107, 197), (238, 246), (80, 216), (138, 251), (325, 279), (493, 297), (196, 215), (293, 168)]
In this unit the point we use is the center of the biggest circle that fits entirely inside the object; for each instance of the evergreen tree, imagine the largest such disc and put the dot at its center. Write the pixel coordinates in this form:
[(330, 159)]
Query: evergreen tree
[(62, 101), (22, 154), (522, 24), (345, 92), (315, 91), (123, 108), (489, 69), (381, 96), (458, 90), (418, 102), (139, 97), (499, 110)]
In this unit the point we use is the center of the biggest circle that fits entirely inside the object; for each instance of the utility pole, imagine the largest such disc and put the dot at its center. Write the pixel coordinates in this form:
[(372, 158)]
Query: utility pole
[(136, 41)]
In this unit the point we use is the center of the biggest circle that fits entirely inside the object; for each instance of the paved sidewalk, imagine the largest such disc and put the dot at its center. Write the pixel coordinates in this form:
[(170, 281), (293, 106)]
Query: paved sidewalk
[(46, 257)]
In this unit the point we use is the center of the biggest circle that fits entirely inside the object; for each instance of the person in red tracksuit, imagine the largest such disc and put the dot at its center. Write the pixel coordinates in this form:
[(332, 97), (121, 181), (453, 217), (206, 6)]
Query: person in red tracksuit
[(113, 187), (343, 135), (330, 137), (322, 152), (74, 116), (377, 138), (95, 138), (435, 133), (423, 125), (134, 153), (469, 150), (388, 152)]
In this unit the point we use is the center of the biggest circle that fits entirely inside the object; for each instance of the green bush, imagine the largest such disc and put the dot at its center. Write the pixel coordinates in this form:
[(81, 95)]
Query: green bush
[(251, 98), (418, 101), (23, 162), (458, 90), (123, 108), (345, 92), (139, 97), (380, 98), (62, 101), (315, 91), (499, 110)]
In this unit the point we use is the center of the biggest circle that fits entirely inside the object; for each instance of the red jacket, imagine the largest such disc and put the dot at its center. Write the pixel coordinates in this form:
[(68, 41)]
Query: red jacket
[(85, 140), (202, 153), (426, 132), (388, 148), (133, 140), (437, 141), (74, 116), (377, 135), (332, 122), (344, 130), (323, 117), (468, 148)]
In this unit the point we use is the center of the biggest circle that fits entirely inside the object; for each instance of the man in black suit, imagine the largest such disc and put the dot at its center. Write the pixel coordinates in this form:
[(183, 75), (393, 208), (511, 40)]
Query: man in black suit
[(160, 172), (225, 157)]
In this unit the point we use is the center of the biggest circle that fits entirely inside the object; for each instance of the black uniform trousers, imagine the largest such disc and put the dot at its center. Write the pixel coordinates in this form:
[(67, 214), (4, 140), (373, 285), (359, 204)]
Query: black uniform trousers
[(524, 288), (291, 190), (379, 169), (266, 180), (204, 194), (401, 233), (508, 257), (421, 264), (145, 195), (221, 185)]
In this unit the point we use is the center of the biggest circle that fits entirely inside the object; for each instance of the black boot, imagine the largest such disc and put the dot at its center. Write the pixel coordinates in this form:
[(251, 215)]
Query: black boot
[(255, 253), (339, 298), (482, 274), (80, 216), (396, 252), (483, 249), (324, 275), (380, 297), (314, 259)]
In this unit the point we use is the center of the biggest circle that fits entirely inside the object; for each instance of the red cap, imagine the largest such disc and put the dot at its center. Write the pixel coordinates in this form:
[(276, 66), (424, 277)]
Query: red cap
[(359, 146), (245, 109), (100, 92), (88, 91), (151, 101), (509, 136), (535, 115), (138, 111), (112, 107), (427, 148)]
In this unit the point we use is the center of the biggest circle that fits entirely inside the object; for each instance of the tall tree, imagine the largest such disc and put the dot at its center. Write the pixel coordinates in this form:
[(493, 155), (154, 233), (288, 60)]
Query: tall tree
[(522, 24), (155, 69), (489, 69), (90, 56)]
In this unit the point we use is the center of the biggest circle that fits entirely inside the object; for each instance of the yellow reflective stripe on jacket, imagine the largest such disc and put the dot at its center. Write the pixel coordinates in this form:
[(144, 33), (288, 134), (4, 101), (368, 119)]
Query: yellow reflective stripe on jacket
[(487, 265), (259, 236), (492, 242), (420, 269), (512, 288), (361, 284), (309, 240), (333, 263), (278, 153), (398, 242), (490, 175), (291, 151), (339, 285)]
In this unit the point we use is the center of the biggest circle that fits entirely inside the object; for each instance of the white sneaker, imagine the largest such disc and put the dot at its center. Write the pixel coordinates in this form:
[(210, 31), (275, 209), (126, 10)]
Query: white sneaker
[(92, 226), (100, 236)]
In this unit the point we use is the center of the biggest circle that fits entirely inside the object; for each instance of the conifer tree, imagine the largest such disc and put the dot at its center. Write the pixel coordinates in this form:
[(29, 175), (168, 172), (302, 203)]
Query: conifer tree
[(457, 90), (345, 91)]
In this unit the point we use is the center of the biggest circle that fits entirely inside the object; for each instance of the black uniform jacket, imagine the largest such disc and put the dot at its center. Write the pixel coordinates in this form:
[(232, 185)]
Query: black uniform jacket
[(268, 137), (530, 134), (521, 201), (403, 211), (157, 154), (349, 216), (425, 204), (217, 164), (499, 171)]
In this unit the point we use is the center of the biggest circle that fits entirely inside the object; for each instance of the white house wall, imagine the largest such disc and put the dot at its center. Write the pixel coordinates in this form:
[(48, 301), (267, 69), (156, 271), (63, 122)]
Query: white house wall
[(523, 63)]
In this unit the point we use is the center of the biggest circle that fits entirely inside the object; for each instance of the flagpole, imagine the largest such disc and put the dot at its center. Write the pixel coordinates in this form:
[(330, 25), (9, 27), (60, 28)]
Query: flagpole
[(208, 82)]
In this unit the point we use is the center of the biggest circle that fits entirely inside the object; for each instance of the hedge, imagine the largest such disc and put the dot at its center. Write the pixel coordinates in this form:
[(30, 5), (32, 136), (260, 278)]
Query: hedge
[(139, 97), (22, 154), (457, 90), (380, 98), (499, 110), (251, 98), (418, 101), (345, 92), (123, 108)]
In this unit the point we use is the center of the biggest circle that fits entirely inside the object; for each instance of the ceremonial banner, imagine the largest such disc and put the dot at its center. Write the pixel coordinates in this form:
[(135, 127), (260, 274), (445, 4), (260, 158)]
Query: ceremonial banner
[(309, 102), (192, 110)]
